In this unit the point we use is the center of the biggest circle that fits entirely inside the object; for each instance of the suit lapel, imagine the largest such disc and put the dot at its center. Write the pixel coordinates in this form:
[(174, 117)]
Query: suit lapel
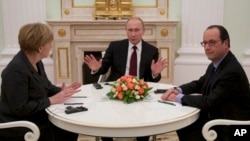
[(143, 59), (124, 54), (210, 81)]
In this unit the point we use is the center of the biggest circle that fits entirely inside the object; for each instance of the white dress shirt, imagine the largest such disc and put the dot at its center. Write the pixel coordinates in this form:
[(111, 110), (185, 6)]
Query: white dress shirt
[(138, 52)]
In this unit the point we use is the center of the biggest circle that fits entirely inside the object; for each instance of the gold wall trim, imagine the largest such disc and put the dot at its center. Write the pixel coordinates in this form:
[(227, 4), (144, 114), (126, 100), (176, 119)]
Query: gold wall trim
[(63, 58), (167, 70), (162, 12), (61, 32), (164, 32), (135, 6), (66, 12)]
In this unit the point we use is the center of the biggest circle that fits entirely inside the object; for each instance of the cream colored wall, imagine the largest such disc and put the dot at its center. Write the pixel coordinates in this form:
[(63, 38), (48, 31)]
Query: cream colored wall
[(175, 9), (1, 29), (53, 8), (237, 21)]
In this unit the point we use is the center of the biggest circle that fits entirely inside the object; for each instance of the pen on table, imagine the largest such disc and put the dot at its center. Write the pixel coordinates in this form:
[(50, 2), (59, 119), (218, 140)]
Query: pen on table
[(165, 102), (78, 97), (73, 103)]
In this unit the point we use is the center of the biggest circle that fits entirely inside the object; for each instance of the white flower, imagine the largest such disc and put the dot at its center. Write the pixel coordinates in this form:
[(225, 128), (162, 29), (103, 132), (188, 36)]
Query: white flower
[(137, 97), (116, 93), (137, 87), (113, 89), (134, 80), (117, 84), (135, 92), (124, 87)]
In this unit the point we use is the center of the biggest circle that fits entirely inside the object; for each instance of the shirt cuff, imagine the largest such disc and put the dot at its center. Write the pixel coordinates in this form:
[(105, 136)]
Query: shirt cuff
[(93, 72), (179, 89), (179, 97), (154, 76)]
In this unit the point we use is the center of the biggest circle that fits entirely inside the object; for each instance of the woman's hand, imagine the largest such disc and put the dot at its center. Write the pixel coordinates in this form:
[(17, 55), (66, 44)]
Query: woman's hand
[(65, 93), (74, 85)]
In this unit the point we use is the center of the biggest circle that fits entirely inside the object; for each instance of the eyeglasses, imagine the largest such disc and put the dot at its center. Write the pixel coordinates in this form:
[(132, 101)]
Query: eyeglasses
[(210, 43)]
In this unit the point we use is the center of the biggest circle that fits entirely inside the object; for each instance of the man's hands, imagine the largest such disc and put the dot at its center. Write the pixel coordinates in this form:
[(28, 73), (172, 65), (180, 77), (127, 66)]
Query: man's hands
[(93, 64), (170, 95), (158, 66), (65, 93)]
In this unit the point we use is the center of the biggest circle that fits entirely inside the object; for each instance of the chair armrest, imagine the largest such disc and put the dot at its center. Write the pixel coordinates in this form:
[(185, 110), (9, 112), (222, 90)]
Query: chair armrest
[(29, 136), (211, 135)]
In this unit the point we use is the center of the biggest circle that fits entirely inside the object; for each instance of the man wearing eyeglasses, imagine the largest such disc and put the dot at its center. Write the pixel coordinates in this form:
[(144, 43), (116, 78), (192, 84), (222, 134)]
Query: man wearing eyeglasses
[(224, 88)]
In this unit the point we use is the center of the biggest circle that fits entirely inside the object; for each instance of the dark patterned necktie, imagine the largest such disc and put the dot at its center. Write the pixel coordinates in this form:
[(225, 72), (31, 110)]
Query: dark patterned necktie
[(210, 79), (133, 63)]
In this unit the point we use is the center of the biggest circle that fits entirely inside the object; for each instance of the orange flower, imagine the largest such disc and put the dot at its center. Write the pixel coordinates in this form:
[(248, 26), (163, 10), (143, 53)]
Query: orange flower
[(131, 85), (120, 96), (129, 80), (123, 78), (118, 89), (141, 83), (141, 90)]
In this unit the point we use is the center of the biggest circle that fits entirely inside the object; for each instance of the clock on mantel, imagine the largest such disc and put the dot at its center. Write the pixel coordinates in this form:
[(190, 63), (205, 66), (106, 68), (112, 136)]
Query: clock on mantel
[(113, 9)]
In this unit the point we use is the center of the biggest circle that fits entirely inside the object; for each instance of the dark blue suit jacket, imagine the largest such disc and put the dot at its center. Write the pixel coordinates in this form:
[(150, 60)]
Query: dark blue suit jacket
[(116, 58), (227, 98)]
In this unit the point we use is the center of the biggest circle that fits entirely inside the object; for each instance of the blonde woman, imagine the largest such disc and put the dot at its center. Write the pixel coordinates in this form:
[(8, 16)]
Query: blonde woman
[(26, 91)]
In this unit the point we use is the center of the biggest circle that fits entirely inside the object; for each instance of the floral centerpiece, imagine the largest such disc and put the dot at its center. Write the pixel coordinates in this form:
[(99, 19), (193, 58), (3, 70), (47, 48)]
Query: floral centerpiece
[(129, 89)]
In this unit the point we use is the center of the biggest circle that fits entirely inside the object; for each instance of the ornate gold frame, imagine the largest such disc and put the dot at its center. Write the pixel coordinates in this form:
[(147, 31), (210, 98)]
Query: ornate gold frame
[(113, 9), (137, 6), (76, 9)]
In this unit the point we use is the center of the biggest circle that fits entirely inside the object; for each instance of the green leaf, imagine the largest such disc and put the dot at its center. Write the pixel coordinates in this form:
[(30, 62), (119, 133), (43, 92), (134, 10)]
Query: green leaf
[(112, 85), (110, 95)]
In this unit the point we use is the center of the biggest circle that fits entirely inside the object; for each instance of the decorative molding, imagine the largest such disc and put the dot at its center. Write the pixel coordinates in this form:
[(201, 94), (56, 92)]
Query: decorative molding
[(162, 12), (164, 32), (66, 12), (159, 11), (61, 32), (165, 53), (63, 62)]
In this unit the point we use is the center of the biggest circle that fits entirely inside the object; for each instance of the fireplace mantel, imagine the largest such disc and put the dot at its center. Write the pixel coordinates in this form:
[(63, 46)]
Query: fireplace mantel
[(74, 37)]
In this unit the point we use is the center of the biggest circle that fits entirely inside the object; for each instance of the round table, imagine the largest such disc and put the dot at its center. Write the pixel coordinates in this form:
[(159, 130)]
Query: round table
[(113, 118)]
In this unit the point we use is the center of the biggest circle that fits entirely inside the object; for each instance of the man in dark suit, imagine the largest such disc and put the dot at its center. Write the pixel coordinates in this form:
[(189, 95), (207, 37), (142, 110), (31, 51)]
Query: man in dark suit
[(224, 88), (117, 57)]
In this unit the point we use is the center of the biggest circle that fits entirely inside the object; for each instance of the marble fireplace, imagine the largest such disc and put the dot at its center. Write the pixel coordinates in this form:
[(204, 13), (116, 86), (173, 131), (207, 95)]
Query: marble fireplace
[(76, 36)]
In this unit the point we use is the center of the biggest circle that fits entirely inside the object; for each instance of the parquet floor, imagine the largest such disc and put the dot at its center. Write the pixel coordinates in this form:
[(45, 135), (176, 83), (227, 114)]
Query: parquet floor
[(162, 137)]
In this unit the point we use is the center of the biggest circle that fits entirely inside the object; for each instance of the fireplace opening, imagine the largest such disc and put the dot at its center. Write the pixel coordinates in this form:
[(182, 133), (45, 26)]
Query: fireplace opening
[(87, 78)]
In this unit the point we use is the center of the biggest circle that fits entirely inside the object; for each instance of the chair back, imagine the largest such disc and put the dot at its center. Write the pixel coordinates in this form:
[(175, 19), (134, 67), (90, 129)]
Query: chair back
[(29, 136), (211, 135)]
